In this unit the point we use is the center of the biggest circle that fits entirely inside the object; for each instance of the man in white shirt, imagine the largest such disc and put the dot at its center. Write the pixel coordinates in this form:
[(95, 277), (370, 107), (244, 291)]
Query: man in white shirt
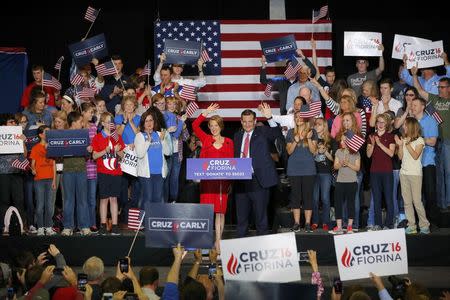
[(149, 281)]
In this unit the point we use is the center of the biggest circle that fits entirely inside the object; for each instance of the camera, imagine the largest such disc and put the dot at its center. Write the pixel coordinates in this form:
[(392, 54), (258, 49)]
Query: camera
[(123, 265), (58, 271), (398, 287), (303, 256), (131, 296), (82, 281), (107, 296), (337, 284), (212, 270)]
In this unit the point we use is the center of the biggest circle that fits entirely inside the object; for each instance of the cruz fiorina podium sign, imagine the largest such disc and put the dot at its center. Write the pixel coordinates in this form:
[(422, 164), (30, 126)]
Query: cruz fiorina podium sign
[(219, 168)]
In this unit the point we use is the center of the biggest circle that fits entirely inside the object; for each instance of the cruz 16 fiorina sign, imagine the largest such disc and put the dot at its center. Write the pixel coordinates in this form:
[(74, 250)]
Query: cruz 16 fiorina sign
[(380, 252), (10, 139), (219, 168), (269, 258)]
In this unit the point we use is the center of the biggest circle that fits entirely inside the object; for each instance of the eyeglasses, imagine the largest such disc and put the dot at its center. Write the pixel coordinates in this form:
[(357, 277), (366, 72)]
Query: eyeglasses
[(410, 95), (442, 86)]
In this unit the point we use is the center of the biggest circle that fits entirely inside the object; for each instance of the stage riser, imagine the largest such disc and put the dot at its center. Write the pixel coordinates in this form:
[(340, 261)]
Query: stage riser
[(431, 250)]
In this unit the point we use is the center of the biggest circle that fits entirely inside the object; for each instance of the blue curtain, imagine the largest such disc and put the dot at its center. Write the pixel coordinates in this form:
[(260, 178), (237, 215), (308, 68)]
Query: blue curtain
[(13, 78)]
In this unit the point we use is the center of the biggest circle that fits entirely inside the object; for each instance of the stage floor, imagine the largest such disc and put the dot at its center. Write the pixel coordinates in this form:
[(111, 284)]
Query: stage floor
[(423, 250)]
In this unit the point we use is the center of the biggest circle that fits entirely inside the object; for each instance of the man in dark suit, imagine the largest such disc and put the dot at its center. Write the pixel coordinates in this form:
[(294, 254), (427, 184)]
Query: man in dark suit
[(253, 195)]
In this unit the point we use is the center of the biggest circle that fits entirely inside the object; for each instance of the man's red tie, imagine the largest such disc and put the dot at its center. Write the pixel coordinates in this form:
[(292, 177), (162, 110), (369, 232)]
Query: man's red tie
[(246, 146)]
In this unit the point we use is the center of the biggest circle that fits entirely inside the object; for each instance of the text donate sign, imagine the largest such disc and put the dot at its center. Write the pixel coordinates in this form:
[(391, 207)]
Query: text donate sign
[(166, 225), (382, 252), (219, 168)]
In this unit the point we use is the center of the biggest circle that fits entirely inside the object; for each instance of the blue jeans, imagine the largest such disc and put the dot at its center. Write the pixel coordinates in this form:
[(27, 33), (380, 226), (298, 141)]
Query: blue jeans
[(359, 178), (136, 195), (173, 174), (152, 189), (92, 200), (382, 185), (75, 187), (443, 173), (322, 188), (166, 181), (44, 203), (29, 203), (396, 196)]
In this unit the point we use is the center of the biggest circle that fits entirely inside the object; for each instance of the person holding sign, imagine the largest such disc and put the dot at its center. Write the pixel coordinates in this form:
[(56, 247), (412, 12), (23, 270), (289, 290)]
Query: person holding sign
[(347, 163), (151, 144), (356, 80), (214, 146), (108, 148)]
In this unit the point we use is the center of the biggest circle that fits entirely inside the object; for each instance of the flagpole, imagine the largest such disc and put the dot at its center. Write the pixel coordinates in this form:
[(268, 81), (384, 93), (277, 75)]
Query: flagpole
[(42, 80), (120, 78), (135, 235), (92, 24)]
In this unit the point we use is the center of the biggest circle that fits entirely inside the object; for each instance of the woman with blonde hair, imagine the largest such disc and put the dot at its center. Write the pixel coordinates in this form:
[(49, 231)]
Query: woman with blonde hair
[(410, 150)]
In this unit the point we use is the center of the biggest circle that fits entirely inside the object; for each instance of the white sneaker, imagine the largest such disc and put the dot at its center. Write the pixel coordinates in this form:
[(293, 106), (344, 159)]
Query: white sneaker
[(49, 231), (40, 231), (32, 229), (85, 231), (67, 232)]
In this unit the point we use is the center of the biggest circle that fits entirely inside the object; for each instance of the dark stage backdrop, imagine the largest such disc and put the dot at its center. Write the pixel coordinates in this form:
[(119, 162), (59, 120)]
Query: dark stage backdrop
[(46, 28)]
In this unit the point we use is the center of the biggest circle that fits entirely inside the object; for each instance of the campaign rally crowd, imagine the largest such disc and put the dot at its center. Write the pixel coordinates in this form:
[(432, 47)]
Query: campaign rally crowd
[(332, 134)]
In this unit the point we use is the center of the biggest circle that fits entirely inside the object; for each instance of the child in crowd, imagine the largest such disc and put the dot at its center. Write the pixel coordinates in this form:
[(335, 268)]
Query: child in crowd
[(347, 162), (44, 171)]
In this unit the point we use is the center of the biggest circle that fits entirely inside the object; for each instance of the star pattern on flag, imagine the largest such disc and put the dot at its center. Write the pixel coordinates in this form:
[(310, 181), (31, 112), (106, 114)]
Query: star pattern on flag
[(206, 32)]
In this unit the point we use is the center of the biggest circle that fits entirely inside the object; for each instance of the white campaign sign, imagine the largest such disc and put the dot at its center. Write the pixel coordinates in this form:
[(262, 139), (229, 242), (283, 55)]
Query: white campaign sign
[(129, 162), (380, 252), (361, 43), (268, 258), (400, 43), (10, 141), (425, 55)]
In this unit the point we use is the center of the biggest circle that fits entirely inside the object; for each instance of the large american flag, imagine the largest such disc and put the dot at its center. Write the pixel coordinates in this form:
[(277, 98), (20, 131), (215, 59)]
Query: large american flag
[(234, 46)]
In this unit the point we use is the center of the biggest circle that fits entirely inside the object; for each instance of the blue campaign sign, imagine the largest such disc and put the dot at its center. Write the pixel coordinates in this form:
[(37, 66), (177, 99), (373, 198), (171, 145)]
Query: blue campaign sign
[(167, 224), (219, 168), (182, 52), (279, 49), (94, 47), (32, 137), (62, 143)]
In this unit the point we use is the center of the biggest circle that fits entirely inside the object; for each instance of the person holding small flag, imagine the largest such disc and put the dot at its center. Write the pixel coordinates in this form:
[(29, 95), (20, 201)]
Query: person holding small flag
[(113, 89), (108, 148), (51, 94), (441, 104), (44, 171), (347, 162), (214, 145)]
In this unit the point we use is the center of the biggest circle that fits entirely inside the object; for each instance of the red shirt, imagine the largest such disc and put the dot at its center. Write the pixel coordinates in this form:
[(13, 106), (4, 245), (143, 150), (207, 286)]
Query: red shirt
[(381, 162), (49, 94), (108, 163)]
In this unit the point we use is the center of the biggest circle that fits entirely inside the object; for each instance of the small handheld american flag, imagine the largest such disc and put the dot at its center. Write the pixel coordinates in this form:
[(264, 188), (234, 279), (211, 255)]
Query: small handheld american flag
[(191, 108), (91, 14), (76, 79), (113, 131), (135, 216), (188, 92), (268, 90), (21, 164), (106, 69), (310, 110), (319, 14), (292, 69), (205, 56), (430, 110), (58, 63), (85, 92), (147, 69), (353, 141), (49, 80)]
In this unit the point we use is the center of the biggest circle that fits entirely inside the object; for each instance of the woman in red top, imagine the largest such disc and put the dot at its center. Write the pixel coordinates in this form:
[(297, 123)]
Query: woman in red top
[(214, 145)]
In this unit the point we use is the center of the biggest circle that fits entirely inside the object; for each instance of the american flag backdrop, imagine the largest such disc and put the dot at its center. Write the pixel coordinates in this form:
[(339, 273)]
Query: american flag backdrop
[(234, 46)]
